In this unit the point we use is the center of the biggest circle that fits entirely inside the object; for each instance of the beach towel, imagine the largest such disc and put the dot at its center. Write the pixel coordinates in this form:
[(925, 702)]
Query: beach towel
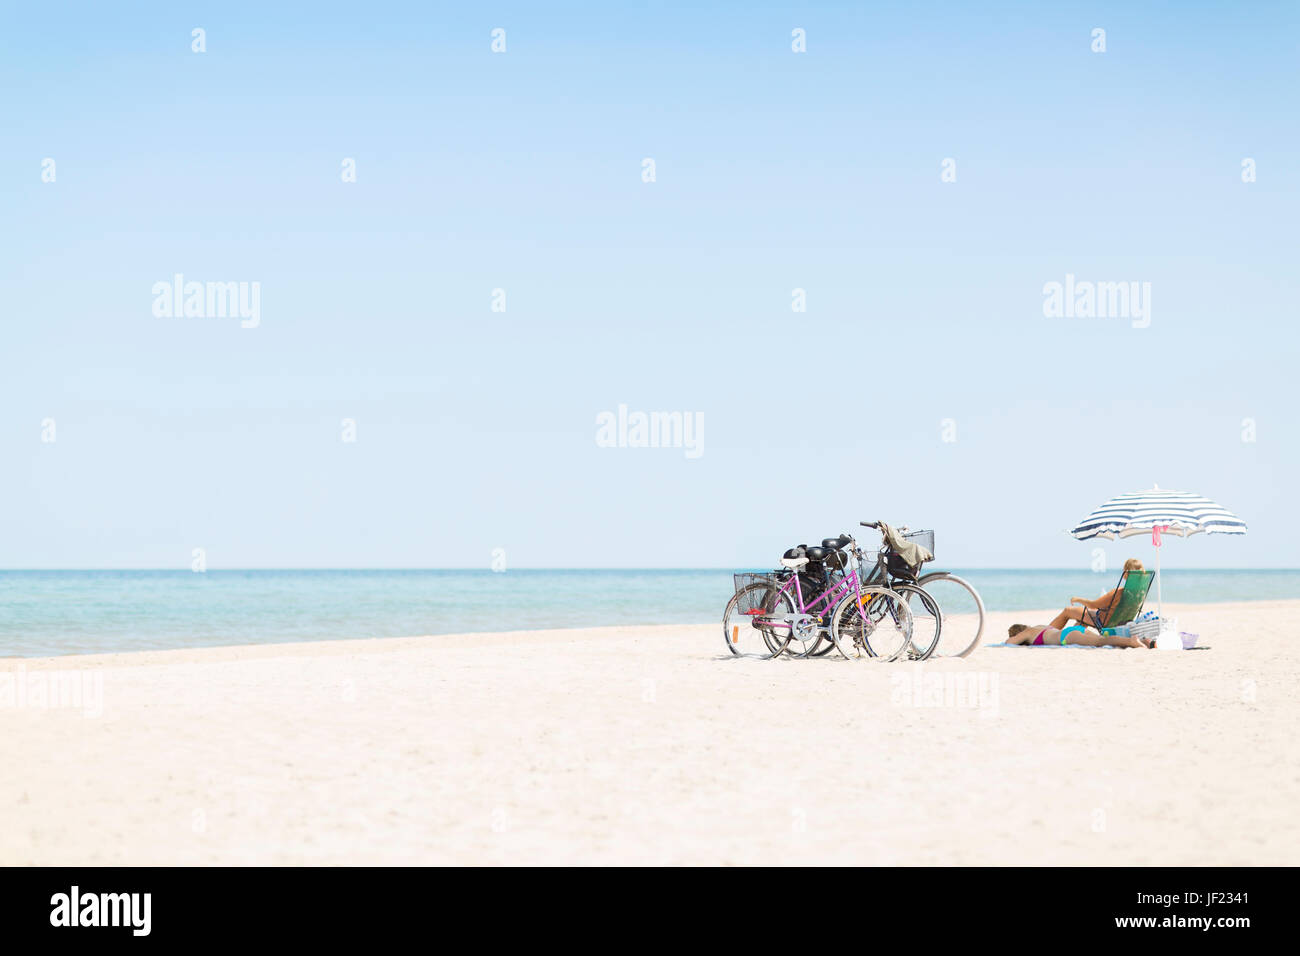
[(1081, 647), (1104, 647)]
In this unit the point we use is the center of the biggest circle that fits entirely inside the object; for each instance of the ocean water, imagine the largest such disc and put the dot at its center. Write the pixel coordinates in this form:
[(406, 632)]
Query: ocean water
[(77, 612)]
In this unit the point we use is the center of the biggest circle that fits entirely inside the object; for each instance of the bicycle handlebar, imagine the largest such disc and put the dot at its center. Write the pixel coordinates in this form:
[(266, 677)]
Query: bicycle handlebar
[(902, 528)]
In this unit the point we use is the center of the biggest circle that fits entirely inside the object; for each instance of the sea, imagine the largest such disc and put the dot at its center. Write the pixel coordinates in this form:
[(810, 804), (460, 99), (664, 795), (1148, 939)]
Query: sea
[(46, 613)]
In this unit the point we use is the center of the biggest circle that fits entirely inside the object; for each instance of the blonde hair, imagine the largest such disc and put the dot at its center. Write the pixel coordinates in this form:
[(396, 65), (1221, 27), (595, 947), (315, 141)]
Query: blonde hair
[(1133, 564), (1015, 629)]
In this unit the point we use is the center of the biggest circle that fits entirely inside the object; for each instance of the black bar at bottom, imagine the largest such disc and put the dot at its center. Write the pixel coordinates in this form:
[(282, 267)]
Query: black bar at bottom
[(335, 906)]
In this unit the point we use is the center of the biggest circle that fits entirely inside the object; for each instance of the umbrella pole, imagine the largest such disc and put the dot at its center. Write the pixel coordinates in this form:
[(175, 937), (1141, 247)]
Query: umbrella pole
[(1160, 604)]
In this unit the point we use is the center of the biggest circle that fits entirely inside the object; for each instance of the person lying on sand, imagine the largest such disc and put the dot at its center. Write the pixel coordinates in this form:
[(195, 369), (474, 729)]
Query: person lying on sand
[(1091, 613), (1074, 634)]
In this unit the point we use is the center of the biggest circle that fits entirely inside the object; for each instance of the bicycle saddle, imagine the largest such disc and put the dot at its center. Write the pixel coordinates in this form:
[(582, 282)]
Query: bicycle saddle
[(836, 544), (795, 558), (817, 554)]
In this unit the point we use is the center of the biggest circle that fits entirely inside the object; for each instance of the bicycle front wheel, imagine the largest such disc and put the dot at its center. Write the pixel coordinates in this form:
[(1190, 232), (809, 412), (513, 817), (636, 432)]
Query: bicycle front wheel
[(927, 621), (874, 622), (756, 621), (963, 613)]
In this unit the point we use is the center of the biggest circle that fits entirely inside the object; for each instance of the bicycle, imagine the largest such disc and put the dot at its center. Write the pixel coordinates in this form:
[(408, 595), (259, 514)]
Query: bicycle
[(948, 613), (961, 609), (770, 611), (961, 606), (862, 622)]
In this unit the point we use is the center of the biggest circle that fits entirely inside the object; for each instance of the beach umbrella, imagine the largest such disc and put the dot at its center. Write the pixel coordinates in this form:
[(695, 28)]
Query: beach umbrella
[(1158, 512)]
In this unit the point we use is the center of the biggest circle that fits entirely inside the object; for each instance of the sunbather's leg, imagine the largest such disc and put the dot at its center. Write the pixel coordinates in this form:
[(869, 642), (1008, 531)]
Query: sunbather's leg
[(1068, 615), (1093, 639), (1097, 603)]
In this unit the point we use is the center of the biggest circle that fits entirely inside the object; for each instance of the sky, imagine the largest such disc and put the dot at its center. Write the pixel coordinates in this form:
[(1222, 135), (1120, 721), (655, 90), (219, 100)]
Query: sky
[(922, 384)]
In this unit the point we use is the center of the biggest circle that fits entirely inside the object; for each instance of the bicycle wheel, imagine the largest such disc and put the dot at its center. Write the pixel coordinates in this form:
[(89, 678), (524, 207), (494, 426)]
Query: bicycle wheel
[(962, 610), (927, 621), (756, 622), (880, 627)]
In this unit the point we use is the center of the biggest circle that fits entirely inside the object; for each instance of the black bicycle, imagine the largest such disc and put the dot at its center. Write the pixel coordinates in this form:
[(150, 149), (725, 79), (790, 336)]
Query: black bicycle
[(947, 611)]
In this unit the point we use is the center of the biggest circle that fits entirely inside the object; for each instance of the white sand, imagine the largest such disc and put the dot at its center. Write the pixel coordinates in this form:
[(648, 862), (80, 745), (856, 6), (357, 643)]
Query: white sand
[(652, 745)]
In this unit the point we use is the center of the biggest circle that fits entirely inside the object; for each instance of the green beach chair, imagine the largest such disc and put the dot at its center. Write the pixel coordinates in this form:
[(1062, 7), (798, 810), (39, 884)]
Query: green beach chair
[(1127, 604)]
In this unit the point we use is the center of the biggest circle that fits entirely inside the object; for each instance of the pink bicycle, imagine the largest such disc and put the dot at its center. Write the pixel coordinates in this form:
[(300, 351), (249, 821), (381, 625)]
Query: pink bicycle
[(791, 610)]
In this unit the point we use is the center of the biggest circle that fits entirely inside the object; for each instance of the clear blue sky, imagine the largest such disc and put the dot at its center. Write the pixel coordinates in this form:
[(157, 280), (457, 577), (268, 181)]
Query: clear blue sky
[(522, 171)]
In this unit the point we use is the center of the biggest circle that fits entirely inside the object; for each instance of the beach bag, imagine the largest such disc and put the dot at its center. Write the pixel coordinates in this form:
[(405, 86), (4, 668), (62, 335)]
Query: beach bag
[(1148, 627)]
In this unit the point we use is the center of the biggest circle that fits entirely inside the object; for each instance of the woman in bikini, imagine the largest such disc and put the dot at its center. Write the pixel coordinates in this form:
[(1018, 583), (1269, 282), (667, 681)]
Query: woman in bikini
[(1074, 634)]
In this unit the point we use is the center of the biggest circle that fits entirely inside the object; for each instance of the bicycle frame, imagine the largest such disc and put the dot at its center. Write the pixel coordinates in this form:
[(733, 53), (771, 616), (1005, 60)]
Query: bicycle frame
[(830, 597), (852, 581)]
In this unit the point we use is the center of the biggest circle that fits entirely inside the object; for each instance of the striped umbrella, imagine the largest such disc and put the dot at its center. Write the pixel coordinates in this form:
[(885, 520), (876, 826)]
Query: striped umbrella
[(1158, 512)]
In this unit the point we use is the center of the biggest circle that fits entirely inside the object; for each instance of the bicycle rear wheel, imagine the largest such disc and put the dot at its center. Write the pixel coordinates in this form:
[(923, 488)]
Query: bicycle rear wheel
[(756, 621), (962, 610), (879, 627)]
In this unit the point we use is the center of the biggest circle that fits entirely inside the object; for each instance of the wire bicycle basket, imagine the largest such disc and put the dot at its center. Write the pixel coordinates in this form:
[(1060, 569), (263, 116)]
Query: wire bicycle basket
[(924, 538), (756, 594), (748, 579), (897, 565)]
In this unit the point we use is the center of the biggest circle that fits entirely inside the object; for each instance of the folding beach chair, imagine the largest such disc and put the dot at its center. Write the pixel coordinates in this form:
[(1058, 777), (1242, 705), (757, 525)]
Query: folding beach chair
[(1126, 605)]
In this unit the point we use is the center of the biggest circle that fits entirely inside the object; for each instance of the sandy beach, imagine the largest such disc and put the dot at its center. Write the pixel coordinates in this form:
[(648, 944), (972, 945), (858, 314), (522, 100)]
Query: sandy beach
[(651, 745)]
